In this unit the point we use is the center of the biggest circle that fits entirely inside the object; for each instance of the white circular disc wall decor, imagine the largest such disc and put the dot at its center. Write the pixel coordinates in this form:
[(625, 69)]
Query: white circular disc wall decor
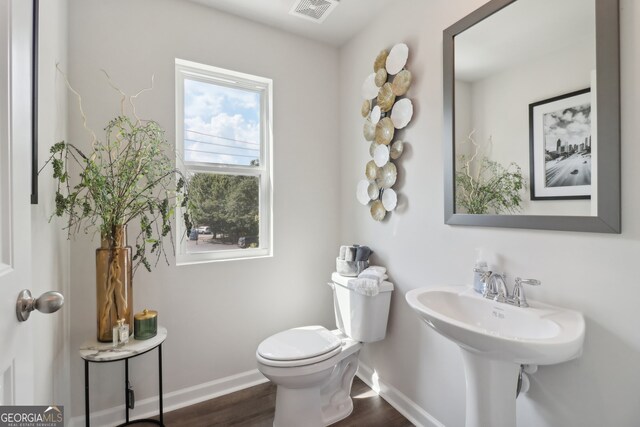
[(397, 58), (381, 155), (362, 193), (385, 111), (389, 199), (372, 148), (402, 113), (369, 88), (375, 115)]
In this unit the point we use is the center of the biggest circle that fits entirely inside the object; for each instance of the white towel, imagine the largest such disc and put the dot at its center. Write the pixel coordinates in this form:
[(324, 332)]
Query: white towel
[(368, 287), (377, 268), (374, 272)]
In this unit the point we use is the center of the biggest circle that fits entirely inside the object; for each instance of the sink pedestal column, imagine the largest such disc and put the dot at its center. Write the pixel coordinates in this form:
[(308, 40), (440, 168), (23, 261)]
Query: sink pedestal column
[(491, 391)]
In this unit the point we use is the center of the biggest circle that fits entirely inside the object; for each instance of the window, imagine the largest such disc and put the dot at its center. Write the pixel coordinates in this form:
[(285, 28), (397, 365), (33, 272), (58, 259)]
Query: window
[(223, 144)]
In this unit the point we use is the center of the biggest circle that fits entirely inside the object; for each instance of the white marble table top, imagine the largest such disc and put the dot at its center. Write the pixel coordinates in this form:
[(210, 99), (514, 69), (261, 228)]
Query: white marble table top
[(96, 351)]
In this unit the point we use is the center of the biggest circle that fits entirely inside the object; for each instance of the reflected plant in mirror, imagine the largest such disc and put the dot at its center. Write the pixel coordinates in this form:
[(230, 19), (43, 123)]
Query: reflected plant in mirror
[(485, 186)]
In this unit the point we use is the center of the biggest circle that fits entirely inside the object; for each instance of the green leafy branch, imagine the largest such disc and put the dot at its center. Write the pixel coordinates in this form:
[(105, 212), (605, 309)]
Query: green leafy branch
[(492, 188), (126, 179)]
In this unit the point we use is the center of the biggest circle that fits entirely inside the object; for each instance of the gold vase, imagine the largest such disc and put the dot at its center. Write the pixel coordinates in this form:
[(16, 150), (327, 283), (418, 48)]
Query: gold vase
[(114, 284)]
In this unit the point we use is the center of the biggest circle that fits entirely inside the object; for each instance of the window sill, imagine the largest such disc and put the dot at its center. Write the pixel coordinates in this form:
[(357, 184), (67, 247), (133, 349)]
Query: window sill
[(205, 258)]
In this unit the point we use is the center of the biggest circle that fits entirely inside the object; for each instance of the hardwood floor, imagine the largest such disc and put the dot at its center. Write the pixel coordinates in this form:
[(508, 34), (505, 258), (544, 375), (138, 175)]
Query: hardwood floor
[(254, 407)]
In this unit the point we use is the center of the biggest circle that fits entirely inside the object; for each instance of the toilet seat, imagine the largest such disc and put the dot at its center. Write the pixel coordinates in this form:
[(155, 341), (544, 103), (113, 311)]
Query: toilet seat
[(299, 347)]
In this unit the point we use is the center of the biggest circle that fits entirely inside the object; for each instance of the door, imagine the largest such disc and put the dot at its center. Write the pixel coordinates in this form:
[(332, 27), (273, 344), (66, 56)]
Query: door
[(16, 347)]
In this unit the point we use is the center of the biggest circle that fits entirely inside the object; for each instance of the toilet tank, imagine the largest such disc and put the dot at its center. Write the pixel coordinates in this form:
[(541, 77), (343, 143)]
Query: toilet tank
[(361, 317)]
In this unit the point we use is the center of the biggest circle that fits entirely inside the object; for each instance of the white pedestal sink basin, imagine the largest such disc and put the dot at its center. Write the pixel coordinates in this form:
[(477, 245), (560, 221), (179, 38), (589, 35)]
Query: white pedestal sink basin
[(495, 339)]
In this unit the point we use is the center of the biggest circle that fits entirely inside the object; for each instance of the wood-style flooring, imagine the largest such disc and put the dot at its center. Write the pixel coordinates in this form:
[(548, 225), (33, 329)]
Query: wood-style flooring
[(254, 407)]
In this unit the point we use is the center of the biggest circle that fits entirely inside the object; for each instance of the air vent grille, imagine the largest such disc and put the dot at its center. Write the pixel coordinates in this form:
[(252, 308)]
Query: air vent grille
[(313, 10)]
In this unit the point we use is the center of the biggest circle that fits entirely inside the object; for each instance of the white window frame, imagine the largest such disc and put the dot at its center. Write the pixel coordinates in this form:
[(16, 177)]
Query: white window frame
[(187, 70)]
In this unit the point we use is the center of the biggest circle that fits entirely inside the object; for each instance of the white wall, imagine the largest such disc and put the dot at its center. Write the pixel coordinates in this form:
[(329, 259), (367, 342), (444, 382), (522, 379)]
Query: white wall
[(593, 273), (50, 248), (216, 314)]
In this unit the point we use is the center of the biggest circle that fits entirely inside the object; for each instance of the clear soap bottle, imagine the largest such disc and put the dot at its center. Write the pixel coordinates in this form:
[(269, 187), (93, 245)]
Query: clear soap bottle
[(479, 271)]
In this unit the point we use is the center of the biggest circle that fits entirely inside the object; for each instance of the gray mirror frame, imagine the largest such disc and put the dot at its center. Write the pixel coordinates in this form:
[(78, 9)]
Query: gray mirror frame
[(608, 106)]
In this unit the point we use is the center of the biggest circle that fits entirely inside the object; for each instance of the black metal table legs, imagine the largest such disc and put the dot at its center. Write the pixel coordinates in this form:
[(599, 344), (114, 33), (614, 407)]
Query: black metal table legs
[(129, 400)]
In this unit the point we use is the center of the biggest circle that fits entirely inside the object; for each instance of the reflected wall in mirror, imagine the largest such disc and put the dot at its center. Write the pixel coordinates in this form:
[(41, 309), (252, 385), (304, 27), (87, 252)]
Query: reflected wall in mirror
[(532, 115)]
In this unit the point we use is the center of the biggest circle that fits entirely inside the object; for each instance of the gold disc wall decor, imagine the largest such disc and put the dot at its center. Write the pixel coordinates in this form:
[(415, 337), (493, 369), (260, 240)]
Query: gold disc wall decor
[(394, 81)]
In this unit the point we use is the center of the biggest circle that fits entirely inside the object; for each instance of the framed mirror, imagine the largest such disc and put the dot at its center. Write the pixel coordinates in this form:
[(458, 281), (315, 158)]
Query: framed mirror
[(532, 116)]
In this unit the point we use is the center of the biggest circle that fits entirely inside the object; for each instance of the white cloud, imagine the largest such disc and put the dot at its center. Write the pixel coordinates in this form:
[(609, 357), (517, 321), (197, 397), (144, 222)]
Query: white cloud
[(237, 138), (242, 99), (226, 117), (203, 104)]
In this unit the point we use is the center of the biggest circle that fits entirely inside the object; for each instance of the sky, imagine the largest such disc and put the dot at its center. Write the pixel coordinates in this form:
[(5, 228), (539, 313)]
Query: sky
[(571, 125), (222, 125)]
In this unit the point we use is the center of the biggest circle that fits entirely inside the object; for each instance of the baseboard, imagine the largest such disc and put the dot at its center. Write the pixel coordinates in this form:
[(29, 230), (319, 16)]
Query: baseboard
[(407, 407), (176, 399), (199, 393)]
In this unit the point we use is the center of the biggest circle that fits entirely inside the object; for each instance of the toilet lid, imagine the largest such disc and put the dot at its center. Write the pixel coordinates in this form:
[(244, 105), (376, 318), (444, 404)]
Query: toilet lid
[(299, 343)]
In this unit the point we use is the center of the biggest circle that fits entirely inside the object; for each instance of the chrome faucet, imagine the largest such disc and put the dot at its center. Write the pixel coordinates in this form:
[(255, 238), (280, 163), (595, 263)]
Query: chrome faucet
[(518, 298), (496, 287), (487, 292)]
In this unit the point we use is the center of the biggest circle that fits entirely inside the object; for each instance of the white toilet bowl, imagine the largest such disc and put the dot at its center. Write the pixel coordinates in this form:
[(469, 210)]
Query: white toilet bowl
[(312, 391), (314, 367)]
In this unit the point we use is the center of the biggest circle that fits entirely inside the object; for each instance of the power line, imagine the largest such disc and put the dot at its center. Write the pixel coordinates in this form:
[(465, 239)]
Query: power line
[(222, 137), (222, 145), (220, 154)]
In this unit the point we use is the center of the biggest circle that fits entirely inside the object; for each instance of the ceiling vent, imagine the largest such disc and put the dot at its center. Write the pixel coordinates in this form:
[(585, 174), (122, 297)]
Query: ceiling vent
[(313, 10)]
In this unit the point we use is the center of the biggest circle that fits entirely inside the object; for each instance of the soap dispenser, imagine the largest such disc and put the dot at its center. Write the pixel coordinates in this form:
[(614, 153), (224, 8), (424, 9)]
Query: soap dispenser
[(479, 271)]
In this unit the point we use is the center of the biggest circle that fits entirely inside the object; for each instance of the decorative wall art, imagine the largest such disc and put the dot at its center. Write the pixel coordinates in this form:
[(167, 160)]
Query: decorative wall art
[(560, 147), (386, 111)]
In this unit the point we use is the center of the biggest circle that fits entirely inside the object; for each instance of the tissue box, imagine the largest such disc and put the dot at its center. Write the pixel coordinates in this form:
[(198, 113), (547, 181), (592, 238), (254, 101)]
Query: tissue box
[(350, 268)]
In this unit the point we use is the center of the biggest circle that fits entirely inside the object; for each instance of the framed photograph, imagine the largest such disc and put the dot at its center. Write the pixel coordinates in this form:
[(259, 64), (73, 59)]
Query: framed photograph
[(560, 137)]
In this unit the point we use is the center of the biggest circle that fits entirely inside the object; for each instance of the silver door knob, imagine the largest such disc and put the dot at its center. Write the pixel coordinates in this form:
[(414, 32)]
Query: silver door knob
[(49, 302)]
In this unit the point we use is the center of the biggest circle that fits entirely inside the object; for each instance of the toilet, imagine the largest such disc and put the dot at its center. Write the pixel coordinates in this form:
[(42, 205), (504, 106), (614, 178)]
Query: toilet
[(314, 367)]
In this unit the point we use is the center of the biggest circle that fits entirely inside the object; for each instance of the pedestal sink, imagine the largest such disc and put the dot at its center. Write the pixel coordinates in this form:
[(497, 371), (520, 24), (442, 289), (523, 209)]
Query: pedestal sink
[(495, 339)]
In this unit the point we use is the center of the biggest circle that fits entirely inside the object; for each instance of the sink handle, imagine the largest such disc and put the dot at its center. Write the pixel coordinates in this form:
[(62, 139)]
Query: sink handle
[(518, 298), (530, 282)]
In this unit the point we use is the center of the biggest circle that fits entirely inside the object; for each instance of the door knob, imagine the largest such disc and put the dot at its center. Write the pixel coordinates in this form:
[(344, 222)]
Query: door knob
[(49, 302)]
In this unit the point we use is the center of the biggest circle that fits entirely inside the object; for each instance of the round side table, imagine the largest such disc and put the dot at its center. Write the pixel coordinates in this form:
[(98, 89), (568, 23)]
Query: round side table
[(100, 352)]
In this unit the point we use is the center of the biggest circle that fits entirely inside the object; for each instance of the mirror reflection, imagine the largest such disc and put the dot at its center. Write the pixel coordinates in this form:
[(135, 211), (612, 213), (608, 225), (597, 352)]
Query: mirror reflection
[(525, 116)]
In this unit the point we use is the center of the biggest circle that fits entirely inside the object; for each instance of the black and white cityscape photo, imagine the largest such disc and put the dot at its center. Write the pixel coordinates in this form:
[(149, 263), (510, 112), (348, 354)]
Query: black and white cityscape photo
[(567, 136)]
